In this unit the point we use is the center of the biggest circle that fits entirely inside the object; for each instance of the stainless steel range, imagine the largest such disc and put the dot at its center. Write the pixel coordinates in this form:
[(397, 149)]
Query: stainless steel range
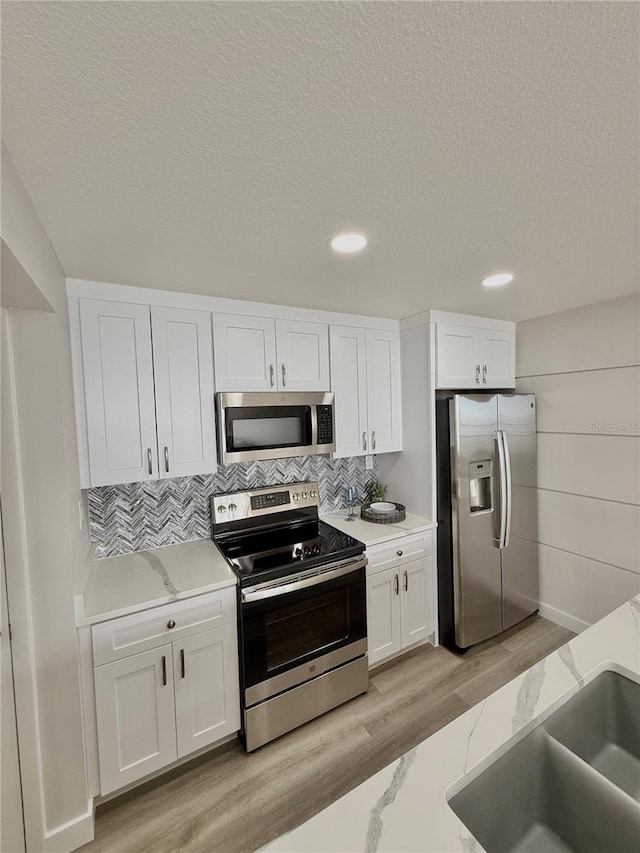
[(302, 612)]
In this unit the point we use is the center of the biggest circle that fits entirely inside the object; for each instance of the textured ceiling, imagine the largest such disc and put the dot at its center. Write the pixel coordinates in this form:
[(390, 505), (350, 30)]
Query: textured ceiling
[(215, 148)]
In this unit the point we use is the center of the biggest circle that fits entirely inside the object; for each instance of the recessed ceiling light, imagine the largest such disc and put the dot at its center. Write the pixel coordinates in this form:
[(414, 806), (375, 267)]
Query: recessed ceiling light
[(498, 280), (349, 242)]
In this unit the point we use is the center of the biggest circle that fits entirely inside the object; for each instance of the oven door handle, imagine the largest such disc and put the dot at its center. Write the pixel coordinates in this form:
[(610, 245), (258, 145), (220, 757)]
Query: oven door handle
[(260, 592)]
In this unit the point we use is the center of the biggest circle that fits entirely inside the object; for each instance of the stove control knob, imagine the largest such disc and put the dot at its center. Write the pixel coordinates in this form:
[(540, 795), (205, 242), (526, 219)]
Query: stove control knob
[(307, 550), (304, 496), (316, 549), (221, 508), (297, 552), (296, 496), (233, 507), (313, 494)]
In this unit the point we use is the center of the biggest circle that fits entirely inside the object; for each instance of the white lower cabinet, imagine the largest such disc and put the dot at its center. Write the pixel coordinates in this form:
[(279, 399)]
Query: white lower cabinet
[(161, 704), (400, 600), (136, 717), (206, 677)]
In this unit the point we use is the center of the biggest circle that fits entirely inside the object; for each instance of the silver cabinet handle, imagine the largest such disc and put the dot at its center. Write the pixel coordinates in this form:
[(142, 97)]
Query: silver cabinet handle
[(166, 459), (406, 581), (477, 374), (182, 666), (149, 461), (397, 580), (271, 375), (399, 553), (164, 671), (364, 441), (484, 374), (373, 439), (284, 375)]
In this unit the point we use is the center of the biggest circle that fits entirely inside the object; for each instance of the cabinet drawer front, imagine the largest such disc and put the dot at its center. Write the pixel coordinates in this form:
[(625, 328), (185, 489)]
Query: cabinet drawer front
[(138, 632), (398, 551)]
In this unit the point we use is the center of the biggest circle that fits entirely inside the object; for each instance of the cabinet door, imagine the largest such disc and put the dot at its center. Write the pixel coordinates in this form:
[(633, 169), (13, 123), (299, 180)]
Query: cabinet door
[(135, 717), (303, 356), (416, 601), (183, 364), (383, 615), (207, 693), (245, 352), (498, 359), (349, 384), (119, 391), (383, 391), (458, 356)]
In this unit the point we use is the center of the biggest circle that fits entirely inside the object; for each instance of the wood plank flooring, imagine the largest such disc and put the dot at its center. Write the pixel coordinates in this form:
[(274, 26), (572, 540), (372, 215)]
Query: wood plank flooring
[(227, 801)]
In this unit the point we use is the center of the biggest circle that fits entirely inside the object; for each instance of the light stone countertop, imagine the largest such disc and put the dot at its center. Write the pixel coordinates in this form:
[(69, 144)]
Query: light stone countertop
[(404, 807), (116, 586), (374, 534)]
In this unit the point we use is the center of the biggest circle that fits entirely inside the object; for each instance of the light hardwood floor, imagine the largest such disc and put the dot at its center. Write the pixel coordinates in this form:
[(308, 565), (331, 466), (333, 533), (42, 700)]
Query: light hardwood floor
[(229, 801)]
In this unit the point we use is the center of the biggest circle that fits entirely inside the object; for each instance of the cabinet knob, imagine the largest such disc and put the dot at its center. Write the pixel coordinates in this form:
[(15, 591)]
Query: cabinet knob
[(171, 624), (399, 553)]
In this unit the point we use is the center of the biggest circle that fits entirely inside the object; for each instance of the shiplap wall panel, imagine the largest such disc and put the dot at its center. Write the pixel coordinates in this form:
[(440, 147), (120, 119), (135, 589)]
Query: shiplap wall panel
[(583, 365), (581, 339), (609, 585), (597, 466)]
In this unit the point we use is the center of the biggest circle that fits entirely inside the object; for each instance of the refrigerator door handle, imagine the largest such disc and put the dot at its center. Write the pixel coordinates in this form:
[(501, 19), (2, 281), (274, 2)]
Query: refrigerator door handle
[(507, 467), (503, 495)]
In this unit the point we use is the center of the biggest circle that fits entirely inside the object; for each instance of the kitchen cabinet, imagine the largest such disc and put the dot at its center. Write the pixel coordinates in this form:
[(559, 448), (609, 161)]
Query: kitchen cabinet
[(365, 378), (400, 599), (265, 354), (470, 357), (166, 684), (148, 391)]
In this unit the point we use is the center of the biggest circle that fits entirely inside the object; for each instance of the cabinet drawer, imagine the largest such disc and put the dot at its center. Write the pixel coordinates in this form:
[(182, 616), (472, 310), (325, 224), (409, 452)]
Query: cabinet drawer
[(398, 551), (129, 635)]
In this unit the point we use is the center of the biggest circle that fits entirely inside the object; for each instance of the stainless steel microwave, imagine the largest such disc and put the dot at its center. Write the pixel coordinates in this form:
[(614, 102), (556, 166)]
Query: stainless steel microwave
[(270, 425)]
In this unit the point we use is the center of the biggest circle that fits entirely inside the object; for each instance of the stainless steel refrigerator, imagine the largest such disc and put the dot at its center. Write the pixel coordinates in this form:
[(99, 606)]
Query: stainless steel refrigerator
[(487, 516)]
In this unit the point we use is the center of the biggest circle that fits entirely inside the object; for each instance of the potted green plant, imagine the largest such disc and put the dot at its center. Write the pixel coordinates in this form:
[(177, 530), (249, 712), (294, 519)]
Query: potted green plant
[(375, 491)]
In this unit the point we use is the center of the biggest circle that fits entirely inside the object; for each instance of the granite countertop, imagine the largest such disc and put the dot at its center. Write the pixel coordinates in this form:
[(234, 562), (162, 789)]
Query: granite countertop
[(404, 807), (116, 586), (374, 534)]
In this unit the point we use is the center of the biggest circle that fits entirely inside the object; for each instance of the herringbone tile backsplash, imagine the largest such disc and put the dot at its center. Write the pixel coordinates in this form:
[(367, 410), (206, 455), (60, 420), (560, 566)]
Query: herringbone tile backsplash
[(135, 516)]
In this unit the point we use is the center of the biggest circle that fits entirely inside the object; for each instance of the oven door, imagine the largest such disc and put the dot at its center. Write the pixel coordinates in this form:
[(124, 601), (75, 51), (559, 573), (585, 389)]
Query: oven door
[(300, 627)]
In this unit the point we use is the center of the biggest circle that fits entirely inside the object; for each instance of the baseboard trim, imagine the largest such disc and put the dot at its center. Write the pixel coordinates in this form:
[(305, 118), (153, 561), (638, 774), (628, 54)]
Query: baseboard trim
[(71, 835), (565, 620)]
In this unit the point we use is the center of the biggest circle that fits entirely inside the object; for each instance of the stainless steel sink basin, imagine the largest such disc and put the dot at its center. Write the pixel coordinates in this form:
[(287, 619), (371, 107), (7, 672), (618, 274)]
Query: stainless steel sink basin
[(571, 786)]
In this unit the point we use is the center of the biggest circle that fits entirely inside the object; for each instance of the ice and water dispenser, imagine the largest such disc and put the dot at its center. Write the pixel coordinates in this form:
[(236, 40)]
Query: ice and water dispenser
[(480, 490)]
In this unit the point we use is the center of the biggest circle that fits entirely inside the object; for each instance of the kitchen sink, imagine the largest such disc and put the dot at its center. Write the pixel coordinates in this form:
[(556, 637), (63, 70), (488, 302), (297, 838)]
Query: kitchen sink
[(570, 786)]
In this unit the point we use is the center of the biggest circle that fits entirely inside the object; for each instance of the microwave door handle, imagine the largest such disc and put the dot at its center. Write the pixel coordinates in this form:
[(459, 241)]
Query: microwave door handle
[(507, 472), (502, 490), (314, 426)]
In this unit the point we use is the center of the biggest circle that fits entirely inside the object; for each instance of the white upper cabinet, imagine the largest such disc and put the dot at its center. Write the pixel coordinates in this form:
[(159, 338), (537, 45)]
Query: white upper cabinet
[(263, 354), (119, 391), (383, 391), (245, 353), (303, 356), (183, 364), (349, 384), (365, 378), (148, 391), (474, 357)]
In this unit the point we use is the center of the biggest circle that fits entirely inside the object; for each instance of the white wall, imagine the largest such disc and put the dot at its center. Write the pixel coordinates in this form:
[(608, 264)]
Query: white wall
[(583, 366), (45, 549)]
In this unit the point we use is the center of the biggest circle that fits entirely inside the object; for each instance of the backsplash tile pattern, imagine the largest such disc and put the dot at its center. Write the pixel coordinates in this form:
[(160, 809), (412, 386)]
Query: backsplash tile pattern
[(135, 516)]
